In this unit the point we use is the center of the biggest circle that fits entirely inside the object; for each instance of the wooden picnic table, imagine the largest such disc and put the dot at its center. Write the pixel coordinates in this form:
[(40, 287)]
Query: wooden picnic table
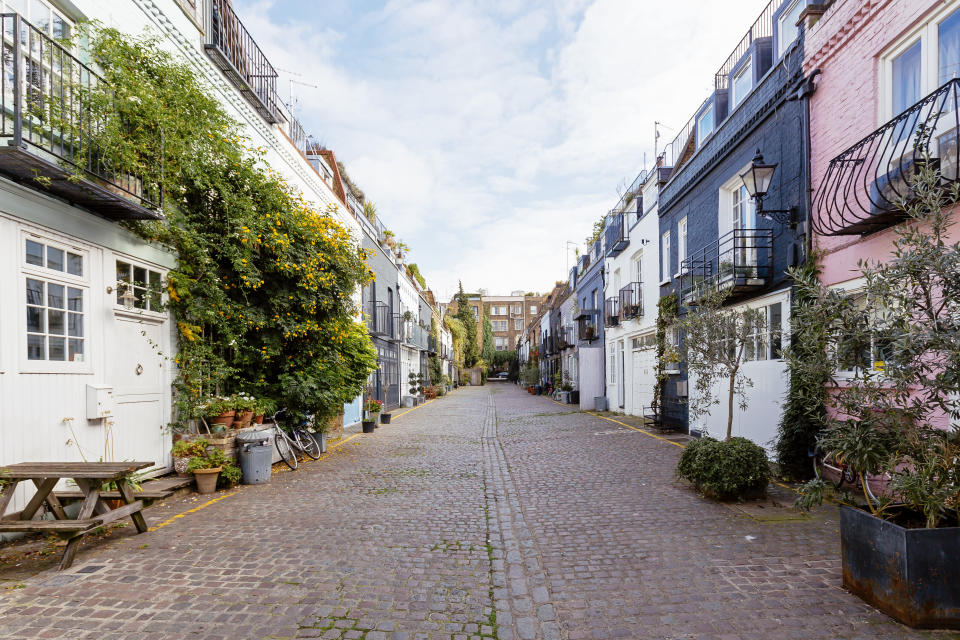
[(94, 512)]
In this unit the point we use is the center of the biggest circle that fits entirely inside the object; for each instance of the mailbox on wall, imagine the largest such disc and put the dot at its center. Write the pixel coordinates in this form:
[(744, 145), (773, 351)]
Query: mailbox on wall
[(99, 401)]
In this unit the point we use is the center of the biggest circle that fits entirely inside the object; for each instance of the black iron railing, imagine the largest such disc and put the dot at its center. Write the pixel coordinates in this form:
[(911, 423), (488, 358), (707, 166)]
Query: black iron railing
[(631, 301), (611, 312), (738, 261), (866, 187), (240, 59), (381, 322), (52, 129), (762, 27), (588, 322), (618, 236)]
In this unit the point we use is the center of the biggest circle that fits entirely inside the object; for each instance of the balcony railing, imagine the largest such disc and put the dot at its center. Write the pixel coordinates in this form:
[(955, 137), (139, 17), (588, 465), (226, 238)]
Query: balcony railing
[(381, 321), (587, 325), (235, 52), (52, 132), (618, 236), (737, 262), (631, 301), (413, 335), (431, 344), (866, 186), (611, 312)]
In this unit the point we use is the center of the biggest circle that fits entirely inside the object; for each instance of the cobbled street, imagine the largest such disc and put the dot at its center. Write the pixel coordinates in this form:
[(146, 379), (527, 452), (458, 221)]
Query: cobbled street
[(486, 513)]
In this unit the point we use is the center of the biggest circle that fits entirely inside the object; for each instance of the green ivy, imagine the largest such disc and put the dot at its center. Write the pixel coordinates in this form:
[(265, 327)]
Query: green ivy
[(262, 290), (666, 315)]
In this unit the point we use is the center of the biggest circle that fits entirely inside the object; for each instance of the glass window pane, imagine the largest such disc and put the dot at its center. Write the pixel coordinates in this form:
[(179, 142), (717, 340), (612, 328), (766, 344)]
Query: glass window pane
[(155, 292), (775, 328), (55, 296), (74, 264), (140, 298), (74, 299), (788, 26), (906, 79), (76, 350), (75, 325), (36, 348), (55, 322), (54, 259), (34, 292), (57, 349), (34, 253), (949, 39), (35, 319), (123, 272), (61, 28), (140, 276), (40, 15)]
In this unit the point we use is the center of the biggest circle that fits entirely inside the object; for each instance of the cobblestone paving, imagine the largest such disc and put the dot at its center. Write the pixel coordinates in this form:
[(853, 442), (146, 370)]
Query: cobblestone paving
[(488, 513)]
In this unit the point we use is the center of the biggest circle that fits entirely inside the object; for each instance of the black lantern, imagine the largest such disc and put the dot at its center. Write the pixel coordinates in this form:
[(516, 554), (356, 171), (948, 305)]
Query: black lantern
[(757, 181)]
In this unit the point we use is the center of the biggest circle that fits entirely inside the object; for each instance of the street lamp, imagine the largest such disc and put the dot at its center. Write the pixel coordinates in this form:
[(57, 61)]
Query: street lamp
[(757, 179)]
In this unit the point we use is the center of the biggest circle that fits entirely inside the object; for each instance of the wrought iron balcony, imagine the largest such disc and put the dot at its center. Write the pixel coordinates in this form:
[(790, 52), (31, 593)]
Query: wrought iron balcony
[(587, 325), (381, 321), (738, 262), (611, 312), (413, 335), (51, 131), (235, 52), (631, 301), (865, 187), (618, 236)]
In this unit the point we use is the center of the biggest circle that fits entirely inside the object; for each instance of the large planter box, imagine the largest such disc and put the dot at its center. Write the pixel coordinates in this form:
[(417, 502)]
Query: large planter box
[(909, 574)]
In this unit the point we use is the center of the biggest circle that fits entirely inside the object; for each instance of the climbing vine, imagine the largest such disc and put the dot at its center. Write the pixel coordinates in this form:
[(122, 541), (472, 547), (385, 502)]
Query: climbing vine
[(666, 315), (262, 289)]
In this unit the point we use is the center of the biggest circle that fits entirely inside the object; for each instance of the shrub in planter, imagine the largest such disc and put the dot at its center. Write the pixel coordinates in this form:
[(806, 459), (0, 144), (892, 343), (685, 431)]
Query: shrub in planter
[(219, 411), (183, 450), (206, 469), (733, 469)]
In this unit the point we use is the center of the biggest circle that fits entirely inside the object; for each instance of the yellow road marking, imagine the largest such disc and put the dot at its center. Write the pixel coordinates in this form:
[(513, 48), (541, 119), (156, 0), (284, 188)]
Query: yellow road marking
[(194, 510), (413, 409)]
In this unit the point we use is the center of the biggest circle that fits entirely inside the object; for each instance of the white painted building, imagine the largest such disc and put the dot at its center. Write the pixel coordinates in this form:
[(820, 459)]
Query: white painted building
[(632, 261), (82, 375)]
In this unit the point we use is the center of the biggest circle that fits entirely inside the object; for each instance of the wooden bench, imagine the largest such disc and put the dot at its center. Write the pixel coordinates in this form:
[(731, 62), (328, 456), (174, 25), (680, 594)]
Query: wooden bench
[(94, 512)]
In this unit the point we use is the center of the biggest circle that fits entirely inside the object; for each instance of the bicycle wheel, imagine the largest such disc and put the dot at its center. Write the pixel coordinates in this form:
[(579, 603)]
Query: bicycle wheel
[(282, 440), (307, 443)]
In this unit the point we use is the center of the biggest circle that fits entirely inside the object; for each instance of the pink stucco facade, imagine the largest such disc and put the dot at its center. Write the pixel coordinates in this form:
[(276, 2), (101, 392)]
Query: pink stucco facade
[(846, 44)]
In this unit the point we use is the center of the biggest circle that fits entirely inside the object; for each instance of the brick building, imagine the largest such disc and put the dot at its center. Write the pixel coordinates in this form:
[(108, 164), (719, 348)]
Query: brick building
[(509, 315)]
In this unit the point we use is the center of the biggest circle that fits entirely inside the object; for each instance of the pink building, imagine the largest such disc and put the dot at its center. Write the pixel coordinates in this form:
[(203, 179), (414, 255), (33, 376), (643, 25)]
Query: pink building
[(886, 66)]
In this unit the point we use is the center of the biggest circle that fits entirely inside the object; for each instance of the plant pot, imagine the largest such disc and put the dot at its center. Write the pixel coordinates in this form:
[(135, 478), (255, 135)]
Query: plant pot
[(258, 419), (242, 419), (180, 466), (903, 572), (385, 418), (207, 479), (375, 418), (368, 426), (224, 420)]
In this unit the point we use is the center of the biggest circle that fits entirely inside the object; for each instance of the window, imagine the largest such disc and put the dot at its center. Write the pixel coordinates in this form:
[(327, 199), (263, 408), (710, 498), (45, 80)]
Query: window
[(476, 313), (868, 350), (54, 301), (40, 14), (665, 256), (705, 125), (499, 325), (146, 286), (926, 59), (518, 309), (787, 30), (681, 242), (636, 267), (612, 362), (517, 324), (647, 341), (533, 309), (765, 342), (742, 84)]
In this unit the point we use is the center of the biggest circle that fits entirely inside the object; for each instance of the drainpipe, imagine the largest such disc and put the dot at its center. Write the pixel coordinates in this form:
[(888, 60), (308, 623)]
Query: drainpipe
[(807, 88)]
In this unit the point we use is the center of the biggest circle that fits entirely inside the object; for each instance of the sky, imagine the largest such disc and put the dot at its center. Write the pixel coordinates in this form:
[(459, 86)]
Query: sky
[(491, 134)]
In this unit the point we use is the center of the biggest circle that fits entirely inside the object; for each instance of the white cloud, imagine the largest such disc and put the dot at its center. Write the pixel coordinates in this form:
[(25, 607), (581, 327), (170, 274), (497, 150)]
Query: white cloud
[(491, 133)]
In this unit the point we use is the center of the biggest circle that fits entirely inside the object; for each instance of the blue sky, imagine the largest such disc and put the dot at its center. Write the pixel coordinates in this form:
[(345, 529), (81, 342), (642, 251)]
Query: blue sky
[(490, 133)]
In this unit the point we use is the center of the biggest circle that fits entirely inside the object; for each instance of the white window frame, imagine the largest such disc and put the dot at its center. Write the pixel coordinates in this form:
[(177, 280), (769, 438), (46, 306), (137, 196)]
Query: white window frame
[(533, 309), (82, 282), (702, 134), (745, 71), (612, 362), (782, 44), (52, 11), (665, 257), (928, 36), (111, 278), (681, 245)]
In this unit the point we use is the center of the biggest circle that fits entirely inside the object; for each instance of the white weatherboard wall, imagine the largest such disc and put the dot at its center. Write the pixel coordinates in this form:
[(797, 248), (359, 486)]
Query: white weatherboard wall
[(765, 398)]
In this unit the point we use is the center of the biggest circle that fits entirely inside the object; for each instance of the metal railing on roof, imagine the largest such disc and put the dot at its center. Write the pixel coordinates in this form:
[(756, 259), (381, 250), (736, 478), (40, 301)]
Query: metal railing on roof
[(762, 27)]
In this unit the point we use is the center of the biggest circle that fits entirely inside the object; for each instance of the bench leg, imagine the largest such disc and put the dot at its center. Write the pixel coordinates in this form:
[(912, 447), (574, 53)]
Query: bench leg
[(44, 487), (7, 495), (70, 552), (138, 520)]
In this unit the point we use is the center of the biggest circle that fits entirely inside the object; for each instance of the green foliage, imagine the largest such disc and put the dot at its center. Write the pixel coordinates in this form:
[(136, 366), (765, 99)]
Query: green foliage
[(531, 374), (189, 448), (414, 272), (504, 359), (488, 349), (471, 349), (370, 211), (262, 289), (810, 371), (230, 475), (211, 460), (733, 469), (666, 316), (596, 232)]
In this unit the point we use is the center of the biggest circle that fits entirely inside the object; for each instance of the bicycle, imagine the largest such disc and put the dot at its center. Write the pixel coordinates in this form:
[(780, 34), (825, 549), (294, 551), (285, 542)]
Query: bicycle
[(298, 439)]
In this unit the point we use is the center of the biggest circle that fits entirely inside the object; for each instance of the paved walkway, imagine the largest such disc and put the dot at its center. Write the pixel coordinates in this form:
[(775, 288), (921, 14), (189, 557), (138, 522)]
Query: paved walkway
[(488, 513)]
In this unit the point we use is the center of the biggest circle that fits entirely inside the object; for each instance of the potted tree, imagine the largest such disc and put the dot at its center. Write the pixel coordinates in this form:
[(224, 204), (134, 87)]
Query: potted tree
[(206, 469), (420, 396), (889, 418), (412, 388), (373, 409)]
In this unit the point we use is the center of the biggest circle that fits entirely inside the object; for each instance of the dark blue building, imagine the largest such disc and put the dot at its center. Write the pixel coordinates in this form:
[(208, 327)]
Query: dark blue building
[(589, 317)]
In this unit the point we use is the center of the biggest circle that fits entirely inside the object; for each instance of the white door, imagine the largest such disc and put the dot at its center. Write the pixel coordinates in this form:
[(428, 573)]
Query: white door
[(644, 377), (621, 365), (138, 374)]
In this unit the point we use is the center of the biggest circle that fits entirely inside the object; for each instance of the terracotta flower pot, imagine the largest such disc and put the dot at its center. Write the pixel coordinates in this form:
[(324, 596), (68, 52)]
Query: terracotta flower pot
[(258, 419), (225, 419), (207, 479), (243, 419)]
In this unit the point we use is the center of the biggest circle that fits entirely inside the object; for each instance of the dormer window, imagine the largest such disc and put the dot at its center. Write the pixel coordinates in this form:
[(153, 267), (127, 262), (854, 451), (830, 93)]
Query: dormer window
[(787, 30), (705, 125), (742, 83)]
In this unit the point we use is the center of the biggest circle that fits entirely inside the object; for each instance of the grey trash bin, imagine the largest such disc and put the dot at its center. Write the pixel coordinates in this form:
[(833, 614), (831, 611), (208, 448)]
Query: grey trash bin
[(255, 456), (599, 403)]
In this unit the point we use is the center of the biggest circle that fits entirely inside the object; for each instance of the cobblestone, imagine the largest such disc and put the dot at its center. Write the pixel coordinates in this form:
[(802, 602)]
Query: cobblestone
[(485, 514)]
